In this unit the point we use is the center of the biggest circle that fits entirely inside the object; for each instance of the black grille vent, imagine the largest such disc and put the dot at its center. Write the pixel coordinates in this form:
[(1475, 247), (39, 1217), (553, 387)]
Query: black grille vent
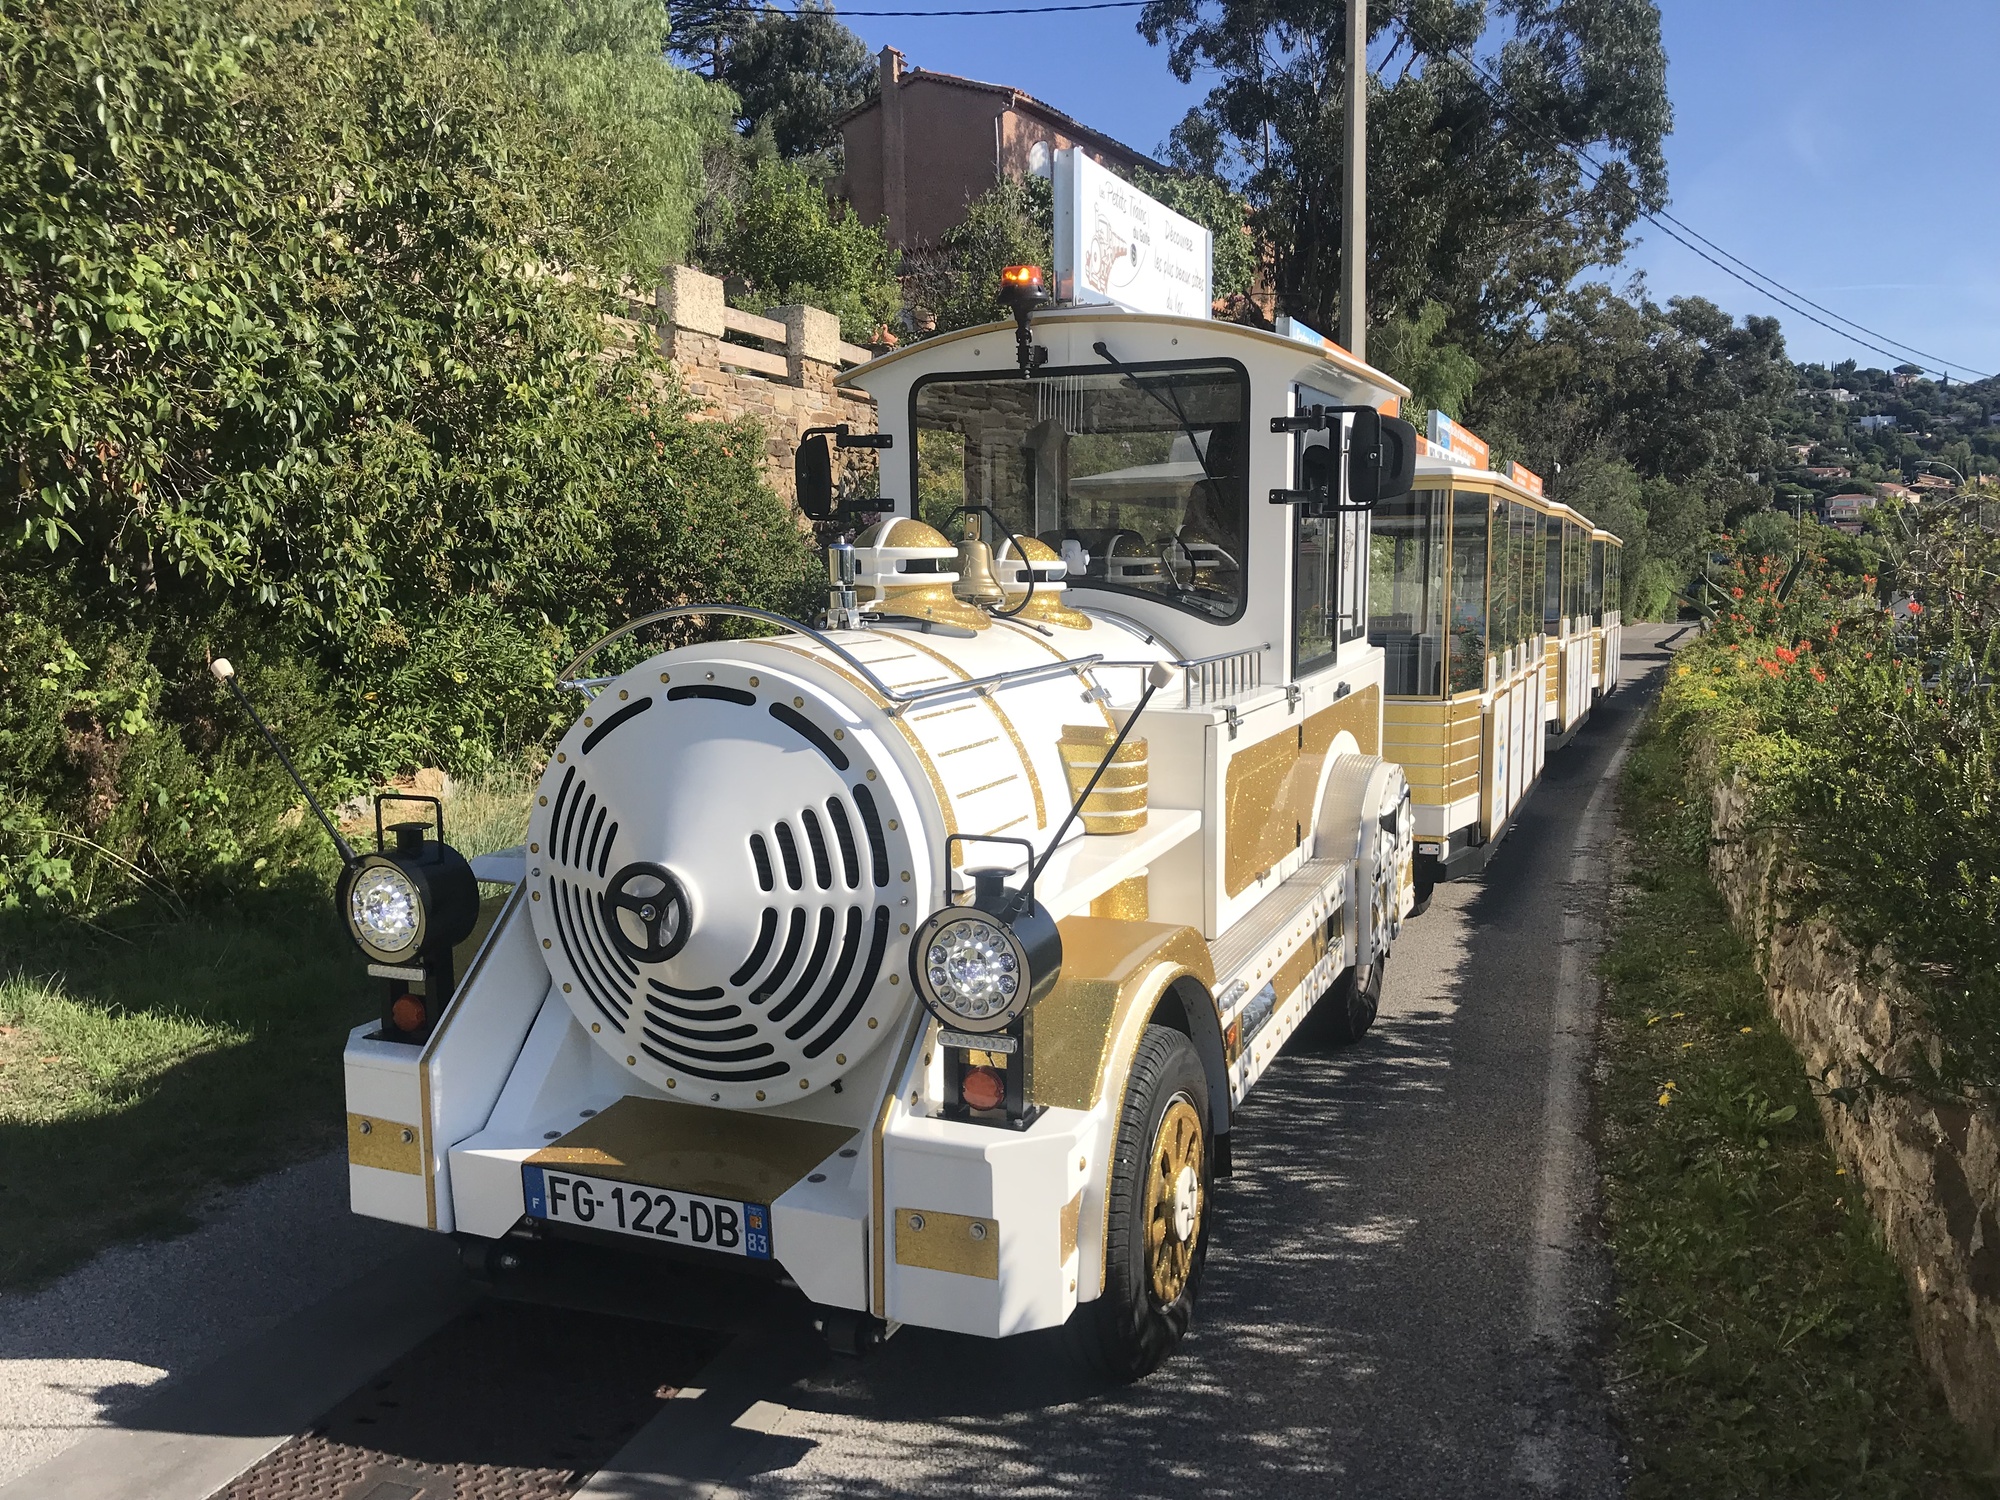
[(789, 848)]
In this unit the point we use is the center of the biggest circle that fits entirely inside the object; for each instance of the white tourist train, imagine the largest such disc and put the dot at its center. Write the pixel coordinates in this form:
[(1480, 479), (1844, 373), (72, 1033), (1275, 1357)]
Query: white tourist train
[(922, 956)]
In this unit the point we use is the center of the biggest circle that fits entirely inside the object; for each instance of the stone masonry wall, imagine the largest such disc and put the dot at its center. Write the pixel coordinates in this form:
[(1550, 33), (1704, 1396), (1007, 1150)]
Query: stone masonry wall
[(784, 380), (1931, 1172)]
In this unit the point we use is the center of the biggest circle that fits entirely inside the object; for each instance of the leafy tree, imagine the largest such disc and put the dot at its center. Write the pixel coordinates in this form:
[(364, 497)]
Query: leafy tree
[(1489, 215), (285, 374), (1440, 375), (602, 65), (1682, 396), (796, 74), (1010, 224), (703, 31), (788, 244)]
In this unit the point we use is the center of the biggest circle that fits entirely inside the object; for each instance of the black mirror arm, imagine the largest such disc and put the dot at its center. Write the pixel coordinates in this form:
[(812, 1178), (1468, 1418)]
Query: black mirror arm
[(842, 438)]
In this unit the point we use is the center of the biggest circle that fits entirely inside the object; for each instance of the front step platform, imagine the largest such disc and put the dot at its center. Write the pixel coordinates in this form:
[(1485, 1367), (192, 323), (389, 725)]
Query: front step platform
[(725, 1153), (1252, 951)]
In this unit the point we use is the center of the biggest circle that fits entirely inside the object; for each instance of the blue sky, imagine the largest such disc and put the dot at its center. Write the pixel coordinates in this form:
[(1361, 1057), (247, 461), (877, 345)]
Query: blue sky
[(1849, 149)]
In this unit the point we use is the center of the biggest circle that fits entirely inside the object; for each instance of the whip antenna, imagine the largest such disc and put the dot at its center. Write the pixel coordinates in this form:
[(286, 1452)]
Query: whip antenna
[(226, 675)]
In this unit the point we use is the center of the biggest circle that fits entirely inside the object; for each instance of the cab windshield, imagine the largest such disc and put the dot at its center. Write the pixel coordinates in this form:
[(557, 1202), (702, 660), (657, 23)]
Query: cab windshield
[(1138, 481)]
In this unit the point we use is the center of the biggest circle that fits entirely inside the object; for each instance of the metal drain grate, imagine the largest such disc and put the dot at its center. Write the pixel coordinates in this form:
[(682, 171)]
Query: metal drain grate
[(509, 1402)]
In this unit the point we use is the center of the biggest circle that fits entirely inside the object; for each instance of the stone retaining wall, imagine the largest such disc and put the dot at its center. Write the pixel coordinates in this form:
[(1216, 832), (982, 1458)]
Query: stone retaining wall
[(1931, 1172), (778, 368)]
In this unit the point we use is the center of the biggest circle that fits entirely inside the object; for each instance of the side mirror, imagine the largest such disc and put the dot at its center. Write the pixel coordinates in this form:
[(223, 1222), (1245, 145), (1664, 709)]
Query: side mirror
[(812, 476), (1381, 458)]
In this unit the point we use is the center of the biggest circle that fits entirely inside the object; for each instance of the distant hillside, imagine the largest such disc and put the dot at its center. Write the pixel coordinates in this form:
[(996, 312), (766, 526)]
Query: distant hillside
[(1878, 425)]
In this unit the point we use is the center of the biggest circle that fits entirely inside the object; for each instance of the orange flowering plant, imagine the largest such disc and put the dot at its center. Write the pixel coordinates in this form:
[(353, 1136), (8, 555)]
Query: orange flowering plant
[(1866, 725)]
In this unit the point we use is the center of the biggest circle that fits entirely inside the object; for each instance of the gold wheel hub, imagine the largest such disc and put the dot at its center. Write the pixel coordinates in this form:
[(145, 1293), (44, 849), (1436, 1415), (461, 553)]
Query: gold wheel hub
[(1174, 1200)]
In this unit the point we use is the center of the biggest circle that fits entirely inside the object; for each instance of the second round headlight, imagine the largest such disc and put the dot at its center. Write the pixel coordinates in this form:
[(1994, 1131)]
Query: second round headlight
[(971, 969)]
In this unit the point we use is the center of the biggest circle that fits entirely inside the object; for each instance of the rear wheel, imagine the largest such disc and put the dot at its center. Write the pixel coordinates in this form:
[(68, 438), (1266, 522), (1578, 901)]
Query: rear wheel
[(1157, 1229), (1348, 1008), (1424, 883)]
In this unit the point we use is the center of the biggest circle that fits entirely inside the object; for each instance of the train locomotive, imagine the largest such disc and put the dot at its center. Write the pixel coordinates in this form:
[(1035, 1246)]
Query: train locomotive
[(923, 954)]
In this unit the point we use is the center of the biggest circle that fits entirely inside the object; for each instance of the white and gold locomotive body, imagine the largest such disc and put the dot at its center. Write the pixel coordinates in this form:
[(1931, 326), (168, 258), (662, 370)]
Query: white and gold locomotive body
[(696, 1024)]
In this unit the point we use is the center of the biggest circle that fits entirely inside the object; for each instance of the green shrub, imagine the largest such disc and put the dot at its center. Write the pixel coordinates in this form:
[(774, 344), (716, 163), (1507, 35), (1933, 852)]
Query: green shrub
[(295, 372), (788, 244), (1871, 736)]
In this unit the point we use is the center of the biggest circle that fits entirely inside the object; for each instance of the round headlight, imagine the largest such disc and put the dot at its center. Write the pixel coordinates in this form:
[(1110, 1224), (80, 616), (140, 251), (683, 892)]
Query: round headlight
[(385, 910), (971, 969)]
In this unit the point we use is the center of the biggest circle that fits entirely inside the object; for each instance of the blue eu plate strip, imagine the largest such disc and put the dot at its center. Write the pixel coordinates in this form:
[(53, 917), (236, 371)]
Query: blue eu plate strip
[(534, 1192)]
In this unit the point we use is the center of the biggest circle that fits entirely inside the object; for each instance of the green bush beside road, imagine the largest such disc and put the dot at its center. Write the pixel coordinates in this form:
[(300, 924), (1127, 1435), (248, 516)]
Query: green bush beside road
[(1763, 1343), (297, 370), (1859, 713)]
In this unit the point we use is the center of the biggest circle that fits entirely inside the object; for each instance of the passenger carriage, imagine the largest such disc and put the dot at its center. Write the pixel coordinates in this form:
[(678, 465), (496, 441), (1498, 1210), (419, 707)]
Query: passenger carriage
[(1487, 599)]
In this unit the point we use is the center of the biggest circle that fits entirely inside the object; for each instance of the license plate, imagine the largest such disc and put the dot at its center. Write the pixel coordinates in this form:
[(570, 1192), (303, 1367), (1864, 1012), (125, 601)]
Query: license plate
[(725, 1224)]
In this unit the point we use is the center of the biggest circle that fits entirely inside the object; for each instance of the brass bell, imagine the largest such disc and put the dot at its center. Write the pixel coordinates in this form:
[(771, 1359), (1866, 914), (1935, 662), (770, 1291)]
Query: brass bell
[(976, 582)]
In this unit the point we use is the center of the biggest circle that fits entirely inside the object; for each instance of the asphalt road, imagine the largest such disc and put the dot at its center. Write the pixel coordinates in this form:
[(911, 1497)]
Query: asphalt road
[(1405, 1295)]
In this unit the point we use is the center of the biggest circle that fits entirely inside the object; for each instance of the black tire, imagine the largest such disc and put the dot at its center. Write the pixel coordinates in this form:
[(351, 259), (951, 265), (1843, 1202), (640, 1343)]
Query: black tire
[(1347, 1009), (1131, 1327), (1425, 889)]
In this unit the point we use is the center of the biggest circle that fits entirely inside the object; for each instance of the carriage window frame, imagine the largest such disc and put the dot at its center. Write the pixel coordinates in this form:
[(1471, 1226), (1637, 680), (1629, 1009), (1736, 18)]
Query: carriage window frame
[(1576, 575), (1425, 546), (1596, 586), (1459, 611), (1552, 595), (1235, 367)]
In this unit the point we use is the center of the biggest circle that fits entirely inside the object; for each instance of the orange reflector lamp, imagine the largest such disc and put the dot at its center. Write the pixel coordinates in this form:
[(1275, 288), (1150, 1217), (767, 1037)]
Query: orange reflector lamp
[(408, 1012), (1021, 292), (983, 1088)]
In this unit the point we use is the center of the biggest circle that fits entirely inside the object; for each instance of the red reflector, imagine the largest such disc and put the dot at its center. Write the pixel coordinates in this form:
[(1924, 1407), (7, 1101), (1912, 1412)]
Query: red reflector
[(982, 1088), (408, 1013)]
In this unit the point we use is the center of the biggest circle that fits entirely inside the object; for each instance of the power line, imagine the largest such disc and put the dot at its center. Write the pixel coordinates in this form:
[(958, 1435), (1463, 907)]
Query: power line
[(1679, 232), (1801, 296), (1675, 230)]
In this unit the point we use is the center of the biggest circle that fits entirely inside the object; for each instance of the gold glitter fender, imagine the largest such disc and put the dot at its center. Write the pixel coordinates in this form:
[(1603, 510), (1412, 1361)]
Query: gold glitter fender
[(1086, 1033)]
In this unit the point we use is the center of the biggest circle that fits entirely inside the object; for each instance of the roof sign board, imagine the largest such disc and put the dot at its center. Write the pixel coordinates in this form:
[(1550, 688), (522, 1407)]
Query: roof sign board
[(1116, 245), (1455, 444), (1525, 477)]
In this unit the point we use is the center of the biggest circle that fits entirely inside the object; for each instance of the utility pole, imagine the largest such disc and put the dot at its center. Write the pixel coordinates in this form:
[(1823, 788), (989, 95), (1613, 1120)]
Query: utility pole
[(1354, 198)]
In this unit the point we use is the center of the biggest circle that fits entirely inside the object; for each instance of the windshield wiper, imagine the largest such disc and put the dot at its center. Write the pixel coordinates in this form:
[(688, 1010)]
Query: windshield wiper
[(1180, 415)]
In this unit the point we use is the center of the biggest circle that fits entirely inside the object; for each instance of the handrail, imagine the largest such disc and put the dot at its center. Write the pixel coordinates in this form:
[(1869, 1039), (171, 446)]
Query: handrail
[(1190, 667), (897, 699), (1190, 661)]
